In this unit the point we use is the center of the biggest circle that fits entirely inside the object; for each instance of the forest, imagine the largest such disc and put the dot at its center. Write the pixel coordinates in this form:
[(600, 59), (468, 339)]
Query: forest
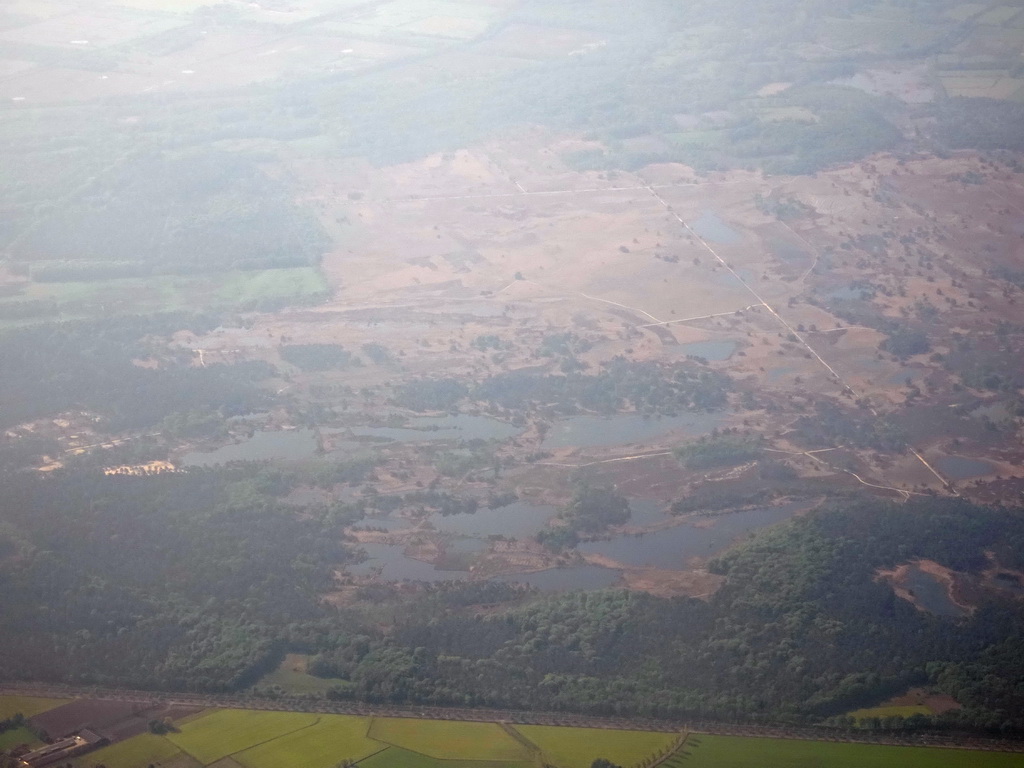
[(201, 580)]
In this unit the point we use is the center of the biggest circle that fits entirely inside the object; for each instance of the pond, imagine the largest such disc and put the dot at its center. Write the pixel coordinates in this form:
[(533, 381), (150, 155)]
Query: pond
[(458, 427), (713, 351), (517, 520), (672, 547), (290, 445), (624, 428), (931, 593), (710, 227), (962, 468), (575, 577), (644, 512), (395, 566)]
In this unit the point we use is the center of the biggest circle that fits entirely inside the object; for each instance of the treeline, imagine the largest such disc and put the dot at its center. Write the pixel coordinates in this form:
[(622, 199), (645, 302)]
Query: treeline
[(179, 581), (199, 581), (801, 629)]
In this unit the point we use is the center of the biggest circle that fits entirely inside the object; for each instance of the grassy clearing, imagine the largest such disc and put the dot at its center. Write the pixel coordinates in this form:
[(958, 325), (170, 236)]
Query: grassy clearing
[(396, 757), (27, 705), (227, 731), (241, 288), (291, 675), (333, 739), (738, 752), (449, 740), (579, 747), (144, 749), (18, 736)]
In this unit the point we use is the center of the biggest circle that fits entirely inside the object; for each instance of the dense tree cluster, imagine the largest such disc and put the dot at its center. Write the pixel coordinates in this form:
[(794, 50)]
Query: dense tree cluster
[(88, 366)]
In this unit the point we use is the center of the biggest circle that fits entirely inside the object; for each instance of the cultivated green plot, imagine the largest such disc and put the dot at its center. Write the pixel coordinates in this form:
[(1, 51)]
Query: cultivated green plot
[(449, 740), (17, 736), (334, 739), (228, 731), (395, 757), (579, 747), (738, 752), (27, 705), (144, 749)]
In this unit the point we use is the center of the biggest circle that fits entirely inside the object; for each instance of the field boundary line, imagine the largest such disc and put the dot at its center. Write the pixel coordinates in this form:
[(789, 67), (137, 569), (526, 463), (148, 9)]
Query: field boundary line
[(275, 738), (535, 752)]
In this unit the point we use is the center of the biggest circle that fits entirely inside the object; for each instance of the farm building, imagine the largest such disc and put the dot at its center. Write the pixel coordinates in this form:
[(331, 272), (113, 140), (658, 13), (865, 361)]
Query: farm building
[(72, 746)]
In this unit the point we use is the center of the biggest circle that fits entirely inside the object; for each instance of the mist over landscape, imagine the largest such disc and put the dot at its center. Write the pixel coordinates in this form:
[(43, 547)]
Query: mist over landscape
[(511, 383)]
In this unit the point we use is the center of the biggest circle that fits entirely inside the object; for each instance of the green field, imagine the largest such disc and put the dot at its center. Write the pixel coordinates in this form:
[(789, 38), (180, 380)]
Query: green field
[(137, 751), (227, 731), (738, 752), (396, 757), (579, 747), (449, 740), (18, 736), (26, 705), (333, 739)]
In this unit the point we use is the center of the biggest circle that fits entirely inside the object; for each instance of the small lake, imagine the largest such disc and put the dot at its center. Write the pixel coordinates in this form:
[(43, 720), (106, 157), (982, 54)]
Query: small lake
[(459, 427), (710, 227), (672, 547), (291, 445), (712, 351), (625, 428), (645, 512), (962, 468), (930, 593), (575, 577), (395, 566), (517, 520)]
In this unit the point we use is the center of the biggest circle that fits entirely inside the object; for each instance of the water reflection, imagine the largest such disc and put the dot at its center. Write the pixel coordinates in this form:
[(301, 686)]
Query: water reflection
[(517, 520), (672, 547), (458, 427), (285, 445)]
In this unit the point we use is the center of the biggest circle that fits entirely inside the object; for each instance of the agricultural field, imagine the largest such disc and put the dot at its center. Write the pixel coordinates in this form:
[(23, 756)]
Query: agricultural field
[(26, 705), (579, 747), (253, 739), (225, 732), (137, 751), (451, 740), (738, 752), (319, 745), (16, 737)]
